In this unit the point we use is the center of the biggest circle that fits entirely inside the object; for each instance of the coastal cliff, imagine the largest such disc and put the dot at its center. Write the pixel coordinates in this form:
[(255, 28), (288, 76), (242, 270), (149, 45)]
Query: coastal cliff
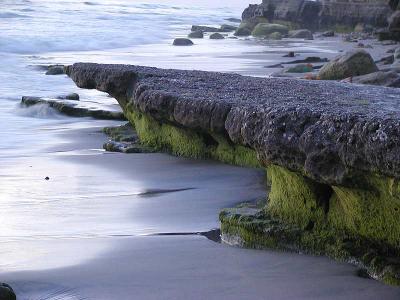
[(322, 14), (331, 152)]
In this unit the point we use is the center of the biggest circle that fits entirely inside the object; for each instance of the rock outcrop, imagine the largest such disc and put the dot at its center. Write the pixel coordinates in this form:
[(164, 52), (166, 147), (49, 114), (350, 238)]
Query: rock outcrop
[(331, 151), (73, 108), (352, 63), (317, 15)]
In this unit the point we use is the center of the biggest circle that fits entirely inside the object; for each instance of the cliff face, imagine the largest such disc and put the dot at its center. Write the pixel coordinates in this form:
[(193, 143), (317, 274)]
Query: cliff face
[(322, 14)]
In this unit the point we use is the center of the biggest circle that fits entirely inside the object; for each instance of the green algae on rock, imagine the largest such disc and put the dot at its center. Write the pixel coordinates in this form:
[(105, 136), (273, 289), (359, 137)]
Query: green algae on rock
[(332, 160), (189, 143), (266, 29)]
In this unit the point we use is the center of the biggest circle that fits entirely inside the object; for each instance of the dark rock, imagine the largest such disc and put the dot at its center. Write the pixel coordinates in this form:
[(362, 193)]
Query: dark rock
[(182, 42), (309, 60), (243, 31), (227, 28), (290, 54), (123, 147), (301, 34), (394, 22), (389, 79), (196, 35), (124, 139), (324, 129), (394, 4), (328, 33), (205, 28), (6, 292), (71, 96), (350, 64), (234, 20), (216, 36), (47, 178), (275, 66), (73, 109), (55, 70), (387, 60)]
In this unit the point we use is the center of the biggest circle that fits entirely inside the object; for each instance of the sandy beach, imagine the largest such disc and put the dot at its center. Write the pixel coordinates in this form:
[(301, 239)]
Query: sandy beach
[(128, 226)]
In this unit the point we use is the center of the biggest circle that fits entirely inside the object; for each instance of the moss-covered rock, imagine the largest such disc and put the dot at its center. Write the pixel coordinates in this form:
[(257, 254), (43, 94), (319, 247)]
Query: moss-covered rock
[(189, 143), (252, 227), (265, 29), (275, 36), (352, 63)]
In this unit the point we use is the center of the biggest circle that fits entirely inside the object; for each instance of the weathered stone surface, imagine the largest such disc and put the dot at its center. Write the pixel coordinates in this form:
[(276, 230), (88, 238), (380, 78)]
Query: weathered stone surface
[(321, 14), (352, 63), (389, 79), (73, 109), (325, 130)]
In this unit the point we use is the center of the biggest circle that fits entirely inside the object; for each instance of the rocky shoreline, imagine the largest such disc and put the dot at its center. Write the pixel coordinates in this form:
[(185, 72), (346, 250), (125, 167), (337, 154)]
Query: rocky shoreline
[(336, 144)]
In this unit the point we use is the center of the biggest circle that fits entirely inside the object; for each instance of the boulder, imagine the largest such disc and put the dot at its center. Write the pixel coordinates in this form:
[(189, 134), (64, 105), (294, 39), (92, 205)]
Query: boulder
[(55, 70), (275, 36), (6, 292), (196, 35), (243, 30), (389, 79), (182, 42), (329, 33), (301, 34), (205, 28), (216, 36), (70, 96), (73, 108), (265, 29), (350, 64), (227, 28), (394, 22)]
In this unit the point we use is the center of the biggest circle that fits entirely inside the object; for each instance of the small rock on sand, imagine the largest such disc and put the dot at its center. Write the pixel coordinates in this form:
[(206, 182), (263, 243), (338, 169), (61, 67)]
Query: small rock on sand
[(196, 35), (350, 64), (55, 70), (217, 36), (182, 42)]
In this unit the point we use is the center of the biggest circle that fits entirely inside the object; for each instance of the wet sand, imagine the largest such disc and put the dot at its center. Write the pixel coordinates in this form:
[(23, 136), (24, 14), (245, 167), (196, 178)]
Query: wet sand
[(110, 254)]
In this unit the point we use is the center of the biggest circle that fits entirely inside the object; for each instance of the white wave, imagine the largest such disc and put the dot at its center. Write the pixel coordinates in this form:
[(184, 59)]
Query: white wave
[(41, 111)]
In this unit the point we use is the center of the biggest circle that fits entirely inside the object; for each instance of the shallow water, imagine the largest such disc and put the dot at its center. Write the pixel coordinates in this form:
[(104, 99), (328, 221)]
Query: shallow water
[(60, 235)]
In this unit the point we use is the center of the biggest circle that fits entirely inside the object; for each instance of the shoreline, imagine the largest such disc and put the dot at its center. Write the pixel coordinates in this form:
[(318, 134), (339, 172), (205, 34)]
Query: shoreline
[(124, 257)]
